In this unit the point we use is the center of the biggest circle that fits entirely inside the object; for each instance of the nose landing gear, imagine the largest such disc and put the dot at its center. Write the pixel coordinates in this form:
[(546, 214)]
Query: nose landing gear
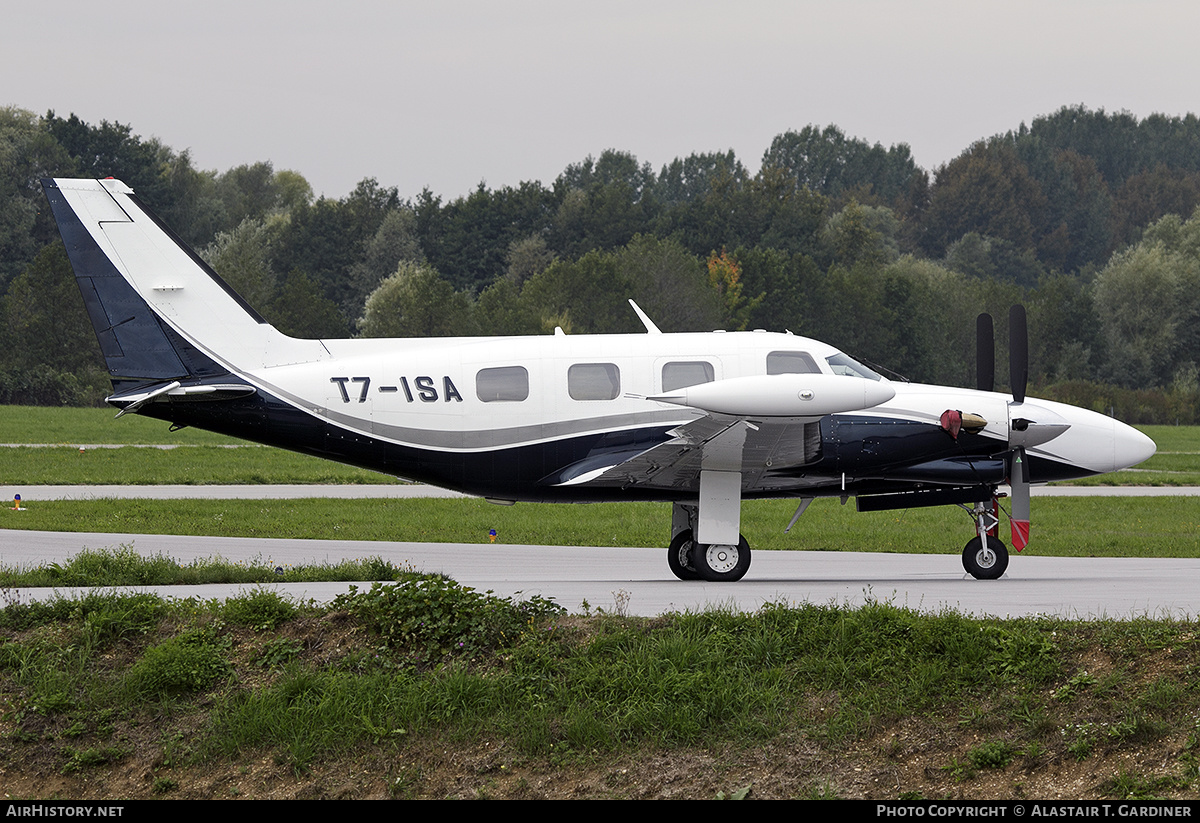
[(985, 557)]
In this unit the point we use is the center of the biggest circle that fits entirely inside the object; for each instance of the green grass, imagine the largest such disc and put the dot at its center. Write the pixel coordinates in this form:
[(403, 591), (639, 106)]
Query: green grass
[(73, 427), (1116, 526), (122, 565), (133, 679), (185, 465)]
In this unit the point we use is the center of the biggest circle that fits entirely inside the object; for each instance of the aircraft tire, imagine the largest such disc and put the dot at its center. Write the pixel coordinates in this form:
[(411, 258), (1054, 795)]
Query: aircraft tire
[(985, 563), (679, 556), (721, 564)]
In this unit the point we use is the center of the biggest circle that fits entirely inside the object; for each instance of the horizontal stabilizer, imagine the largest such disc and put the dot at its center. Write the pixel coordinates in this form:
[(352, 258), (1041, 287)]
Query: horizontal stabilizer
[(132, 401)]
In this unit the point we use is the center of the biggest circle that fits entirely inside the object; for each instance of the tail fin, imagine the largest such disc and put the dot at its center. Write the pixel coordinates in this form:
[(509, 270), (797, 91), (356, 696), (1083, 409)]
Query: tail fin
[(160, 313)]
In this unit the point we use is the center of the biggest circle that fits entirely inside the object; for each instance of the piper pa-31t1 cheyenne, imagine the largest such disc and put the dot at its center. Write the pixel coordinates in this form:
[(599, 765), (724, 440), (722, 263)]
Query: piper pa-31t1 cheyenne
[(700, 420)]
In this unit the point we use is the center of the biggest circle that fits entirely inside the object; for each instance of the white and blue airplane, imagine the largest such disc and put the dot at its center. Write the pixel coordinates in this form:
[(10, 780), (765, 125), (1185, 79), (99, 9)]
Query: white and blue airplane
[(700, 420)]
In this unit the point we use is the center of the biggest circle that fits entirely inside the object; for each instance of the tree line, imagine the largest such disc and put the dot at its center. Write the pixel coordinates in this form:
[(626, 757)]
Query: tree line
[(1087, 217)]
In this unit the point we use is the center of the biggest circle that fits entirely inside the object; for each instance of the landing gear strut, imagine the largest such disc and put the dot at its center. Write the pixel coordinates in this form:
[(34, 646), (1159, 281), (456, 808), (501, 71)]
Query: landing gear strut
[(985, 557)]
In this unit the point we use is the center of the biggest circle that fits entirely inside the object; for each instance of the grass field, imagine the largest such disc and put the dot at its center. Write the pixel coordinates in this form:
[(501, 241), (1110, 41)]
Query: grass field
[(1069, 527), (427, 689), (204, 458), (183, 465)]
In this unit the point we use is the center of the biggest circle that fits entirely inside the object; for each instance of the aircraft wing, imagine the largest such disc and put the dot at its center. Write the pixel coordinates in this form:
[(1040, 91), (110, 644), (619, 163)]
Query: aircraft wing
[(760, 450), (760, 426)]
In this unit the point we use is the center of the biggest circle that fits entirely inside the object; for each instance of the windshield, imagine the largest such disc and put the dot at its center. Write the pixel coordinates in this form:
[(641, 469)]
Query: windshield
[(844, 364)]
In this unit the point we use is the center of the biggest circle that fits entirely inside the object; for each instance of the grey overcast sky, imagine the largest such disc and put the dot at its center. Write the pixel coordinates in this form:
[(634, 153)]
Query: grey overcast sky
[(448, 94)]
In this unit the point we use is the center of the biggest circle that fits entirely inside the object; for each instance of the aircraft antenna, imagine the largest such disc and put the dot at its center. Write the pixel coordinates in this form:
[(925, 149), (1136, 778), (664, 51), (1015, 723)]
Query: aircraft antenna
[(646, 321)]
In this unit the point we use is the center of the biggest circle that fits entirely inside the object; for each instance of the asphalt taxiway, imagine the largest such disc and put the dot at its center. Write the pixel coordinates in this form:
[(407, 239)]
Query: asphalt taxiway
[(636, 580)]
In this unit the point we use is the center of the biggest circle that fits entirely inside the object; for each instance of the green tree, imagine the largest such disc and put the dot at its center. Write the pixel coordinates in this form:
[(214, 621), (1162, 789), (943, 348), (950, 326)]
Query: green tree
[(499, 310), (584, 296), (113, 150), (46, 339), (1148, 302), (527, 257), (416, 301), (602, 204), (862, 234), (28, 152), (827, 161), (326, 238), (300, 310), (1151, 195), (692, 178), (987, 190), (243, 259), (469, 239), (256, 191), (396, 240), (671, 285)]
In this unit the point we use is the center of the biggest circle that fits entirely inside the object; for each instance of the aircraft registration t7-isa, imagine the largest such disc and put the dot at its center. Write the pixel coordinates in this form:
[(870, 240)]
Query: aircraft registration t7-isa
[(700, 420)]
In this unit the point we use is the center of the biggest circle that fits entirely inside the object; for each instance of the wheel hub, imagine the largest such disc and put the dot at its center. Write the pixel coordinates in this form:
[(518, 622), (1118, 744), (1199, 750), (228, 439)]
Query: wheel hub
[(721, 558)]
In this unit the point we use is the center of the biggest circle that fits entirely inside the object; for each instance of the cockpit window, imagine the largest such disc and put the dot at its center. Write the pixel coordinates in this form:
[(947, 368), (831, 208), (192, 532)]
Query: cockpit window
[(791, 362), (843, 364)]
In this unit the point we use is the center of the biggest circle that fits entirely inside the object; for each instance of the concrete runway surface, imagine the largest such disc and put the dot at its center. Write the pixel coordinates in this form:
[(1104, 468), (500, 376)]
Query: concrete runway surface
[(637, 581)]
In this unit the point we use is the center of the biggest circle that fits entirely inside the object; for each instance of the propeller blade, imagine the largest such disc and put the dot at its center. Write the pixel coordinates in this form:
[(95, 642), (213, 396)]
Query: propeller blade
[(1018, 352), (1018, 481), (985, 353)]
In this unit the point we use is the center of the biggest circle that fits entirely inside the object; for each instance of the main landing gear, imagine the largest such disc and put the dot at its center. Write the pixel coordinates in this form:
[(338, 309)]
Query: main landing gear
[(985, 557), (714, 562), (706, 543)]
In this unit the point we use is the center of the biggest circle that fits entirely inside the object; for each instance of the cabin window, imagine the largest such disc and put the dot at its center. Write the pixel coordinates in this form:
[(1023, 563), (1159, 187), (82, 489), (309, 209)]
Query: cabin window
[(594, 381), (791, 362), (681, 375), (508, 383)]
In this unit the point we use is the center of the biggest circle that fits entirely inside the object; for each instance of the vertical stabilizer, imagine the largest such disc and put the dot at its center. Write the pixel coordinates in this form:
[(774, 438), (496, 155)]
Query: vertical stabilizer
[(160, 313)]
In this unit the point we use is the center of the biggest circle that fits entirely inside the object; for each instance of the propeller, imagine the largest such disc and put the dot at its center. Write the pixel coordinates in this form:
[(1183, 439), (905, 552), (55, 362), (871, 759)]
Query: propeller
[(1018, 434), (1018, 352), (1018, 467), (985, 354)]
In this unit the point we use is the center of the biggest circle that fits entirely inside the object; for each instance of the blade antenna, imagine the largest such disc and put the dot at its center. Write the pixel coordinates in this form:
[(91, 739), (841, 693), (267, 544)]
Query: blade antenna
[(646, 321)]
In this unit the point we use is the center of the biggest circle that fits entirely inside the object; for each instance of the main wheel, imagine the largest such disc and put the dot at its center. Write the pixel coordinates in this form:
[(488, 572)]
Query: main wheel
[(679, 556), (721, 563), (985, 562)]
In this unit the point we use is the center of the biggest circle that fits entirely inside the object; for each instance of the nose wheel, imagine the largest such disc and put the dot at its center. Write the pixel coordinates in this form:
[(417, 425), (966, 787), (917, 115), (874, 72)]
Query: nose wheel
[(985, 557)]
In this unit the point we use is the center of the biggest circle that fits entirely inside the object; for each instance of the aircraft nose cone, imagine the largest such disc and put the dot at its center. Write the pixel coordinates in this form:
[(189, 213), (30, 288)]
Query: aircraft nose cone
[(1130, 446)]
